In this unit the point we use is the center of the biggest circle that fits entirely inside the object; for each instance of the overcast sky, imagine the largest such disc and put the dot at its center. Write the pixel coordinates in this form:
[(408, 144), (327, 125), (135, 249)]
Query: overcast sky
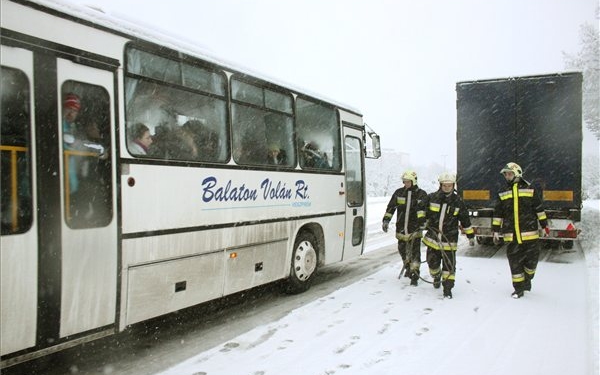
[(396, 61)]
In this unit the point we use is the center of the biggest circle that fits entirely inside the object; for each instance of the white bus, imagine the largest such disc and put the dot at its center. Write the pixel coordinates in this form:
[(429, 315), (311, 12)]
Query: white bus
[(140, 177)]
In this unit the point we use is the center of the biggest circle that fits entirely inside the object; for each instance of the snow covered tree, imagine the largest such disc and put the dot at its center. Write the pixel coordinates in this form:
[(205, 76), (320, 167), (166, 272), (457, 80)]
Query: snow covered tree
[(588, 62)]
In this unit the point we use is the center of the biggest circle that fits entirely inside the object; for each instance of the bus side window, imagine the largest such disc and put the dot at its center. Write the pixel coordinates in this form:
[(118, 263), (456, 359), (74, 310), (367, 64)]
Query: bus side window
[(15, 171), (86, 155), (262, 125), (319, 135), (183, 105)]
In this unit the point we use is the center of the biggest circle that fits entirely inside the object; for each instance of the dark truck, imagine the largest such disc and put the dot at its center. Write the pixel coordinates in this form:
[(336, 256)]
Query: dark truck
[(534, 121)]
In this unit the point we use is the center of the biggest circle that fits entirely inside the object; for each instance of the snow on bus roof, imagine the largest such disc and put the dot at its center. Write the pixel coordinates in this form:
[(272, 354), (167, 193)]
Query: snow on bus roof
[(124, 24)]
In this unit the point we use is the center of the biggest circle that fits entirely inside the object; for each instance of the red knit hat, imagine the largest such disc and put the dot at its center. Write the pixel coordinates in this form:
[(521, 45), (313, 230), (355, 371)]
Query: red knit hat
[(72, 101)]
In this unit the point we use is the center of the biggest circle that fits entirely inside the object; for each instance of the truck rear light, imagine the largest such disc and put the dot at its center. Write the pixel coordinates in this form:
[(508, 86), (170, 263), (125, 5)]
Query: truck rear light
[(569, 232), (566, 234)]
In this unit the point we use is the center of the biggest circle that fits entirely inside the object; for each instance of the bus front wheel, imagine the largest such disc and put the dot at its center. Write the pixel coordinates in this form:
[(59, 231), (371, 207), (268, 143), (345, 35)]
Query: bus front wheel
[(304, 263)]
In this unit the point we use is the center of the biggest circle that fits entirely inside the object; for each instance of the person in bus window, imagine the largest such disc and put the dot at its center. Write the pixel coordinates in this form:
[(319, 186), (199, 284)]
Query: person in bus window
[(187, 140), (206, 140), (275, 155), (140, 140), (71, 108), (89, 202), (313, 157)]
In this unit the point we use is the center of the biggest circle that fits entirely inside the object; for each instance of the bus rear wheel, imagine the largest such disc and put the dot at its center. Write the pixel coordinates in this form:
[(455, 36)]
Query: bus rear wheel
[(304, 263)]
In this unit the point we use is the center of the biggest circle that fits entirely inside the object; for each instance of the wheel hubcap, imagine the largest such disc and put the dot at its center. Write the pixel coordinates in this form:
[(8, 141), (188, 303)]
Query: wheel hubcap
[(305, 260)]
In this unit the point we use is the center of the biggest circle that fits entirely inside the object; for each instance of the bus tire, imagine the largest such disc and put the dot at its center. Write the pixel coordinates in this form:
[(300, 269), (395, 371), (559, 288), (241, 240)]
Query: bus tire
[(304, 263)]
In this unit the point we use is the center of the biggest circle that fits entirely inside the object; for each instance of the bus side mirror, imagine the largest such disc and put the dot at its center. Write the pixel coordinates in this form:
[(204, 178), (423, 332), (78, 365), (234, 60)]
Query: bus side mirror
[(375, 145)]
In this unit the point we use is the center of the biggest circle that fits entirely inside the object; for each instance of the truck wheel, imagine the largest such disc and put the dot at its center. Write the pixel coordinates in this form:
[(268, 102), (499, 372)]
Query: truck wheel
[(304, 263), (567, 245)]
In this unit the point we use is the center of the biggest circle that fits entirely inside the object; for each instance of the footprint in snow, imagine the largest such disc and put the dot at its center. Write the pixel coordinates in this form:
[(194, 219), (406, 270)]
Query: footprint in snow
[(383, 329), (284, 344), (230, 345)]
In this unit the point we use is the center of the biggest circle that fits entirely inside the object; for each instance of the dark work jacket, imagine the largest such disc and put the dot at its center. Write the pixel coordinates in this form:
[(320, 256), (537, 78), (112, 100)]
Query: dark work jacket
[(444, 213), (410, 210), (519, 221)]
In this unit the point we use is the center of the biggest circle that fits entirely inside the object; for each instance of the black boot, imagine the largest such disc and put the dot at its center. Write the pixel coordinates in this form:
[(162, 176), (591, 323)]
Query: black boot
[(414, 279), (436, 282), (406, 270), (447, 293), (517, 294)]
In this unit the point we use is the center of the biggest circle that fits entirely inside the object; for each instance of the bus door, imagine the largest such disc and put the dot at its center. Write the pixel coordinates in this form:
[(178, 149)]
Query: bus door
[(354, 191), (18, 240), (88, 258)]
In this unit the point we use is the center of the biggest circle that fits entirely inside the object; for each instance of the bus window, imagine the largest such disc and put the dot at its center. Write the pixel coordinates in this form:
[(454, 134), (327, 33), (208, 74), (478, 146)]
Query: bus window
[(263, 125), (86, 141), (15, 143), (318, 136), (185, 113)]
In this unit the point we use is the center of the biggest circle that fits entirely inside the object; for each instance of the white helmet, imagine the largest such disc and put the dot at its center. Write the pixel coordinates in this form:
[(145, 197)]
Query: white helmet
[(410, 175), (514, 168), (447, 178)]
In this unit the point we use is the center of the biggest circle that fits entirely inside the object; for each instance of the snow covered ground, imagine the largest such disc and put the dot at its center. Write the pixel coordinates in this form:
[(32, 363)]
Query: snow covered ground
[(381, 325)]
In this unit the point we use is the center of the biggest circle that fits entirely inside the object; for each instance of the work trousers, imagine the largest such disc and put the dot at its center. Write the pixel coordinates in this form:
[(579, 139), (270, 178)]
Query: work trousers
[(410, 251), (445, 258), (522, 260)]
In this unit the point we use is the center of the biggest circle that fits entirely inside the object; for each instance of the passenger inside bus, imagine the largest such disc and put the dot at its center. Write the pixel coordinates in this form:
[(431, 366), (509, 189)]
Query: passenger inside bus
[(276, 155), (183, 145), (71, 108), (201, 140), (140, 139), (313, 157), (90, 204)]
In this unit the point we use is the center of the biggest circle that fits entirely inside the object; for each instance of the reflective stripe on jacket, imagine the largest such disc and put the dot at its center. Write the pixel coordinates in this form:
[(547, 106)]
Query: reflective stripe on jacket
[(408, 204), (517, 212), (444, 213)]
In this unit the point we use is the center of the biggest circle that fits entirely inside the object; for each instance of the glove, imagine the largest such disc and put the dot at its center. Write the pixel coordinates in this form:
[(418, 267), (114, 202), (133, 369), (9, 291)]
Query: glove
[(385, 225), (471, 242), (497, 240), (546, 232)]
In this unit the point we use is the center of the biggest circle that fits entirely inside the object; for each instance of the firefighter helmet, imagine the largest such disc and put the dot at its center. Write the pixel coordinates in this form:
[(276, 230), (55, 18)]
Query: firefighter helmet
[(447, 178), (514, 168), (411, 176)]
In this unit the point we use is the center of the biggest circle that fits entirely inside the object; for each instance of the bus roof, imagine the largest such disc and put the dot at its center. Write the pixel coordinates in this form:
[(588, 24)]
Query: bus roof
[(119, 23)]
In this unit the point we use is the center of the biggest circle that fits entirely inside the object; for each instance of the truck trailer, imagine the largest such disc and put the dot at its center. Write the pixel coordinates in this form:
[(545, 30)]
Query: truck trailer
[(534, 121)]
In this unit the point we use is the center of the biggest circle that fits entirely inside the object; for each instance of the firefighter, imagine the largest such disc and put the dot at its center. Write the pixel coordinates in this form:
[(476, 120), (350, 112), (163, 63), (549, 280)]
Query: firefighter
[(444, 211), (407, 202), (516, 214)]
